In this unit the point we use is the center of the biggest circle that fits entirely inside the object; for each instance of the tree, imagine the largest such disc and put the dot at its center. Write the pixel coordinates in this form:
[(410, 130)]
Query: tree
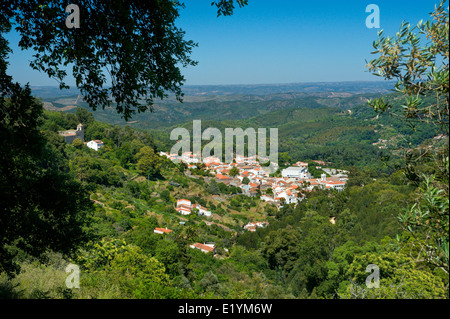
[(245, 180), (209, 282), (399, 278), (167, 252), (148, 163), (77, 143), (213, 188), (84, 117), (165, 196), (134, 43), (428, 222), (42, 207), (117, 263), (233, 171), (422, 72), (280, 248)]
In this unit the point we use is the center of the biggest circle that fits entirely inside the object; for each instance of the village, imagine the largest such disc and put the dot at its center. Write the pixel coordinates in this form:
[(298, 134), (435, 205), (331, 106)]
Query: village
[(256, 180), (246, 173)]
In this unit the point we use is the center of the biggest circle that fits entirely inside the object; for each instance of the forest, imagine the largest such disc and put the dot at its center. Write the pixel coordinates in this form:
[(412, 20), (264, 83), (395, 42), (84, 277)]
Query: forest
[(66, 206), (127, 191)]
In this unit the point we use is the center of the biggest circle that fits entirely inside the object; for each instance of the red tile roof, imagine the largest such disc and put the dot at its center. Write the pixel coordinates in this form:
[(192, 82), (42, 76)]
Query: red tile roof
[(164, 230), (203, 247)]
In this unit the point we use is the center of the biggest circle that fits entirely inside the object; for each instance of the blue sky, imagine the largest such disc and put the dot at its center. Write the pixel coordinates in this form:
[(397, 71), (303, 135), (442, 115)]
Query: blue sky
[(274, 41)]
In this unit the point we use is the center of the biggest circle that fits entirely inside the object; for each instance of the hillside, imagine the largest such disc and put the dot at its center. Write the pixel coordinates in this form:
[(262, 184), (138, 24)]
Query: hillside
[(227, 102), (133, 192), (323, 122)]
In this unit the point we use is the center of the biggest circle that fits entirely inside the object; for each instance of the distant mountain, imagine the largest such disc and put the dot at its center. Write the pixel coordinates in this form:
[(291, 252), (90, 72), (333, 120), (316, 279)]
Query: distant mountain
[(353, 87), (217, 102), (311, 87)]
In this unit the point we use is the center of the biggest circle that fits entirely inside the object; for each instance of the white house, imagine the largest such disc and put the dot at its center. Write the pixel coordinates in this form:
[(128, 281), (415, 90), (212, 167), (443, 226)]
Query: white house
[(252, 226), (184, 206), (162, 230), (295, 172), (339, 186), (183, 210), (206, 248), (184, 202), (95, 144), (202, 210), (288, 197)]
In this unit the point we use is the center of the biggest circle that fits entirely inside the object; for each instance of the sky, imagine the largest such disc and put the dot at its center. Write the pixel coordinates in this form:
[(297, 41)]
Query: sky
[(270, 42)]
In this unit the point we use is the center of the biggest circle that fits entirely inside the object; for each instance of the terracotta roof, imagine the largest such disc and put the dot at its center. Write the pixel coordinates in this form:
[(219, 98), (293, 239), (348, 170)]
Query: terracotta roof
[(164, 230), (199, 206), (334, 182), (203, 247)]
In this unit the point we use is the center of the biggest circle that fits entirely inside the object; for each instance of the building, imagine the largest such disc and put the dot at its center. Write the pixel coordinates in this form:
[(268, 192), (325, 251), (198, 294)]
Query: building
[(223, 179), (295, 172), (252, 226), (183, 210), (184, 206), (202, 211), (301, 164), (339, 186), (162, 230), (206, 248), (188, 157), (184, 202), (71, 135), (289, 197), (95, 144)]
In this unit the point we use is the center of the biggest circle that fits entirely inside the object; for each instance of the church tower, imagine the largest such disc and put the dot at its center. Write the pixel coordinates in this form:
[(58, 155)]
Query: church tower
[(80, 132)]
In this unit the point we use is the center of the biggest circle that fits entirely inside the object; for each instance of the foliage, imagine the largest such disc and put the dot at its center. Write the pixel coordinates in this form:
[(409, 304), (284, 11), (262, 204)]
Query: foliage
[(399, 279), (56, 209), (420, 70), (428, 222), (140, 47), (148, 162)]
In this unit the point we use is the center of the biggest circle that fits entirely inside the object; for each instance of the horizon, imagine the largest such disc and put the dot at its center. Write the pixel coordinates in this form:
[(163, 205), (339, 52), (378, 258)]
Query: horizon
[(255, 84)]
